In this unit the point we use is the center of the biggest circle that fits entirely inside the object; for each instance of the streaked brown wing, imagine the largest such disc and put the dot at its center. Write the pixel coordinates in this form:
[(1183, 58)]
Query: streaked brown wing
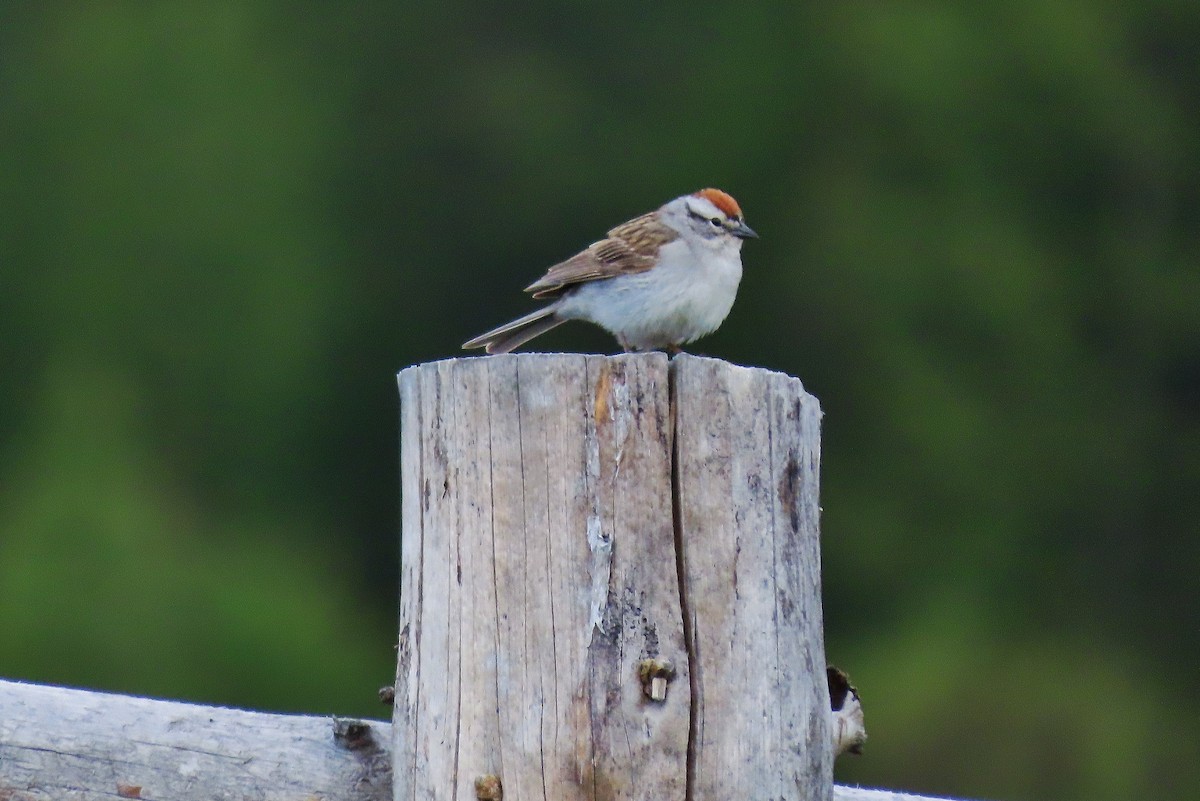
[(631, 247)]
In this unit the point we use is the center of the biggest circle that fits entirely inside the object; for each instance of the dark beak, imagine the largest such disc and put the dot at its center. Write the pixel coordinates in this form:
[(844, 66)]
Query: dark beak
[(743, 231)]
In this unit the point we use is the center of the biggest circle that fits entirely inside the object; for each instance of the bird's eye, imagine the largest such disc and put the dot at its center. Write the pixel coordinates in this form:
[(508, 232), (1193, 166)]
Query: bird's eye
[(716, 221)]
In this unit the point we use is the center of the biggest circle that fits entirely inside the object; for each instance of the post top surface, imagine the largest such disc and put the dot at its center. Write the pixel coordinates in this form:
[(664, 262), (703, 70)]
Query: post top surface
[(683, 361)]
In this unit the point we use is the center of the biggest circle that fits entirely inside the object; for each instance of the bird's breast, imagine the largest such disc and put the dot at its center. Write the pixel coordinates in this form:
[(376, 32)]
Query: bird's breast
[(686, 296)]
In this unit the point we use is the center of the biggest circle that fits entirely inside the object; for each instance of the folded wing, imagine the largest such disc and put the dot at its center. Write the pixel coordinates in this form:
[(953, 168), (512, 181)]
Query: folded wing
[(631, 247)]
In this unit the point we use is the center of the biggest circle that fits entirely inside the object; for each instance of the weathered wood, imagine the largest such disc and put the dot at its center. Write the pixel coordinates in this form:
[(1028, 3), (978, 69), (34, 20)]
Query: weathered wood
[(541, 601), (847, 793), (748, 457), (542, 504), (58, 744), (537, 572)]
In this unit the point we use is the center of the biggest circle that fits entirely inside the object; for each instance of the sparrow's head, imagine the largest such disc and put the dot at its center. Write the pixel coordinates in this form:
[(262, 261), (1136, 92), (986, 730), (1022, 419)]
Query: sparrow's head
[(712, 215)]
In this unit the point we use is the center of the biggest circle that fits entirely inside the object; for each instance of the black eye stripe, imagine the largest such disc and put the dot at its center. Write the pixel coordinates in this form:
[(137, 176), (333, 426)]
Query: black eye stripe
[(716, 222)]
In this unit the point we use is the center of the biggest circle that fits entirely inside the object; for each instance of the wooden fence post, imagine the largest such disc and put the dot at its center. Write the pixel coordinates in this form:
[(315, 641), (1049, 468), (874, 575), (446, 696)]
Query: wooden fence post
[(609, 582)]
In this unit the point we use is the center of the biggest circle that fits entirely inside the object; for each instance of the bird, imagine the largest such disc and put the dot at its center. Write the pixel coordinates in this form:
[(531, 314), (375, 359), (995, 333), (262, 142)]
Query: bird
[(846, 717), (656, 282)]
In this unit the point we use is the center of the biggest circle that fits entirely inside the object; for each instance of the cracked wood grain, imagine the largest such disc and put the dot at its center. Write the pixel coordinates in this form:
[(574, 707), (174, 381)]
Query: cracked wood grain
[(59, 744), (747, 464), (566, 518), (537, 572)]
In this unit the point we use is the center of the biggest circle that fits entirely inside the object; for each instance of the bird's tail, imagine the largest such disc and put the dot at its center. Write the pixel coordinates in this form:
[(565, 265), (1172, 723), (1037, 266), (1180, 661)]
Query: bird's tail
[(511, 336)]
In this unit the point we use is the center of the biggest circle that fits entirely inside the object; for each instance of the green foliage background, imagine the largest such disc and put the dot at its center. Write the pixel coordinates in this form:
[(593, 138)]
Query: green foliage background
[(225, 226)]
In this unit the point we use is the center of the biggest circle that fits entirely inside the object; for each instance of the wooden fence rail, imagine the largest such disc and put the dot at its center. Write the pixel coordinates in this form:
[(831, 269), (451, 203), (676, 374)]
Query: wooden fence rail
[(59, 744)]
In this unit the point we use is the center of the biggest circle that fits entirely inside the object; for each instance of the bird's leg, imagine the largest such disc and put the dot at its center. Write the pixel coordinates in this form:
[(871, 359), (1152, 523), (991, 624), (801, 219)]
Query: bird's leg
[(624, 343)]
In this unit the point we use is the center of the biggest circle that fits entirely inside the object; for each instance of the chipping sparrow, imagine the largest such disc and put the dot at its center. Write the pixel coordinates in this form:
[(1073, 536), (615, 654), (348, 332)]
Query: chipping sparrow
[(658, 281)]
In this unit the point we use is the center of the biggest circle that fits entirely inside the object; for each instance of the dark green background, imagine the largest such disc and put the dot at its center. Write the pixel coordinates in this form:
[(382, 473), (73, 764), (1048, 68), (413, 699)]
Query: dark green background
[(225, 226)]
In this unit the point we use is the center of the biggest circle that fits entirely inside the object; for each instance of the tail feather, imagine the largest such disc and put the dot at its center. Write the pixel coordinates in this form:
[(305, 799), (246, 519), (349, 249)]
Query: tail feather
[(511, 336)]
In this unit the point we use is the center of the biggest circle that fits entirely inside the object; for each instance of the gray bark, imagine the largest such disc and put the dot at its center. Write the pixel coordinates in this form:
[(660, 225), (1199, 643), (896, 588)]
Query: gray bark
[(564, 519), (538, 572), (748, 458), (58, 744)]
